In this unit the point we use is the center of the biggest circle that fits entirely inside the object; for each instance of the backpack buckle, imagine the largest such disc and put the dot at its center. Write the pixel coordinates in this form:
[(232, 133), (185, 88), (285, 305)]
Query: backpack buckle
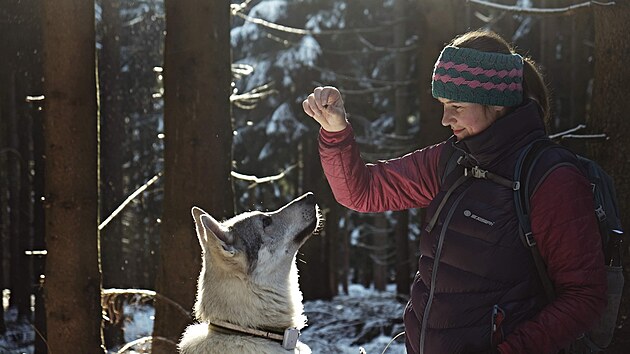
[(529, 238), (476, 172), (601, 213)]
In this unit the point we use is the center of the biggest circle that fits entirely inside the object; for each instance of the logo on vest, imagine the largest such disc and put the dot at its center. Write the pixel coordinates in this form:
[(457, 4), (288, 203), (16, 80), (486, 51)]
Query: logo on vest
[(469, 214)]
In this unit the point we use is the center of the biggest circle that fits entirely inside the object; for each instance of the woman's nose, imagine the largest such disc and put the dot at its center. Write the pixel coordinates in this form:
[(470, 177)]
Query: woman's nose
[(447, 118)]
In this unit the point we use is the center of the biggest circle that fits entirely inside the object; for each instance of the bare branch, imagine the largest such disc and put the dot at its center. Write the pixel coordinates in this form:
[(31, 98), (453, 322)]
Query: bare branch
[(567, 134), (249, 100), (364, 79), (365, 91), (561, 11), (239, 7), (376, 48), (568, 131), (369, 46), (302, 31), (241, 70), (258, 180), (585, 136), (129, 199)]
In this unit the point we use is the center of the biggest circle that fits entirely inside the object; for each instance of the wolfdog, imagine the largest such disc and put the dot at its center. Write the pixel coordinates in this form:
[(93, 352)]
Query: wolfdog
[(248, 296)]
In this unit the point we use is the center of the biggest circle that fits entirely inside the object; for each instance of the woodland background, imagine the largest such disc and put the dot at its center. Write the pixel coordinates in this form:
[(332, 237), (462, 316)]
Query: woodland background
[(117, 116)]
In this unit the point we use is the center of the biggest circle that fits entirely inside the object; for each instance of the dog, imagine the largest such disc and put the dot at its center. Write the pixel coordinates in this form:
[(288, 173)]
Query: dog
[(248, 296)]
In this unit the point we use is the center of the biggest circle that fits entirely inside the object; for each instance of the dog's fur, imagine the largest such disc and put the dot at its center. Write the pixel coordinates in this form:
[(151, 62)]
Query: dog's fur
[(249, 278)]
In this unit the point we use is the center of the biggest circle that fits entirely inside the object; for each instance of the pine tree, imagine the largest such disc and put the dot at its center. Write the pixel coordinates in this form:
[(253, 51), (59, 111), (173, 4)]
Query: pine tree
[(73, 281), (197, 155)]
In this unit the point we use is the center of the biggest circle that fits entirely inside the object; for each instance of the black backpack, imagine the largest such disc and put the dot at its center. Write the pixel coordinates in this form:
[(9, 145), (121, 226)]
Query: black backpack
[(605, 207)]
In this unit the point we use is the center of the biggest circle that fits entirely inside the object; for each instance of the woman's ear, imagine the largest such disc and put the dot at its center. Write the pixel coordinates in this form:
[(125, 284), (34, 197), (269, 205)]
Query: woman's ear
[(499, 111)]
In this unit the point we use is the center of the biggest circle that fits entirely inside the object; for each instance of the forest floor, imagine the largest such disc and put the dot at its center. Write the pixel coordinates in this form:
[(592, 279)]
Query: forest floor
[(364, 318)]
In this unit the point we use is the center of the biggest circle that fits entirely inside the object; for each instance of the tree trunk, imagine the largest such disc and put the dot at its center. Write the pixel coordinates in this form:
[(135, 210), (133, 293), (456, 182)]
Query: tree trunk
[(4, 183), (73, 280), (24, 284), (438, 27), (111, 135), (18, 273), (30, 41), (401, 231), (112, 158), (379, 252), (197, 155), (609, 115), (316, 281)]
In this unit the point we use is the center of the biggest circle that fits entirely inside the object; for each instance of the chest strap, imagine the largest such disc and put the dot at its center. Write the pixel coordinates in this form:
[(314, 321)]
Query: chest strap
[(477, 172)]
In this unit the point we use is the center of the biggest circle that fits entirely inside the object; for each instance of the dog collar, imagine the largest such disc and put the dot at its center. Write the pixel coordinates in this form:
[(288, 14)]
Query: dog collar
[(289, 339)]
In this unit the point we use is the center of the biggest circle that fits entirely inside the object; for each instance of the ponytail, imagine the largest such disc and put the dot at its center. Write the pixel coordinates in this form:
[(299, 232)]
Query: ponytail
[(534, 87)]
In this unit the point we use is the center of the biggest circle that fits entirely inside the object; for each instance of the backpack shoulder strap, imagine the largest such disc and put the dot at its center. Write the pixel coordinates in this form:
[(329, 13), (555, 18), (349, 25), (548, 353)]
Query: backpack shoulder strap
[(448, 159), (522, 175)]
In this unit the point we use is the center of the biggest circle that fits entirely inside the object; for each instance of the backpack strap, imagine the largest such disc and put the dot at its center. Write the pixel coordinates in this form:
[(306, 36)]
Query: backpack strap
[(522, 173), (433, 220), (448, 158)]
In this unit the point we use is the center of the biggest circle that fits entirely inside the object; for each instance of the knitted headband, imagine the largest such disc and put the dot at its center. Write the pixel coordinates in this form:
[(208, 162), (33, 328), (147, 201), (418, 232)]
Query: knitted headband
[(470, 75)]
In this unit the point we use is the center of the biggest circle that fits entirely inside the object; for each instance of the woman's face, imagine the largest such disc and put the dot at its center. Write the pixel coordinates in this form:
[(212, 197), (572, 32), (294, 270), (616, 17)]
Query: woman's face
[(467, 119)]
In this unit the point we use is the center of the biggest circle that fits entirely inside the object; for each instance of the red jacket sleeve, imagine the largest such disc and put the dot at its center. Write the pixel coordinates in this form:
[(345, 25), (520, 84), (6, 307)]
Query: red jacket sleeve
[(407, 182), (566, 231)]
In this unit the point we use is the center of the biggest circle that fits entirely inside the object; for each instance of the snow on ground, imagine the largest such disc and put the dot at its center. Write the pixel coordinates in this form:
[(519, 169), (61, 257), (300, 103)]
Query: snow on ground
[(363, 318)]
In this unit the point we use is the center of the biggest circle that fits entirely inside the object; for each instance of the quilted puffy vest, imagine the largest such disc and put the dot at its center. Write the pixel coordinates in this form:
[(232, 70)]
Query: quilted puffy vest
[(476, 280)]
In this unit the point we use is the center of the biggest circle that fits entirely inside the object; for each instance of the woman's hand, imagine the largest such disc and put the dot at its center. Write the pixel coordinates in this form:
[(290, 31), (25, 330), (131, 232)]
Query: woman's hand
[(325, 105)]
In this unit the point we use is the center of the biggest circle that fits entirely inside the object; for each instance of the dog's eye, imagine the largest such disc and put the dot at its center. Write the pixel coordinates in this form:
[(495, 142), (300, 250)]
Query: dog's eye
[(266, 221)]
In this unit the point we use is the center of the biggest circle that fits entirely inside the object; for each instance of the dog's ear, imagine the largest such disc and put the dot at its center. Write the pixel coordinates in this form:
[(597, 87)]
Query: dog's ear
[(214, 228), (208, 227)]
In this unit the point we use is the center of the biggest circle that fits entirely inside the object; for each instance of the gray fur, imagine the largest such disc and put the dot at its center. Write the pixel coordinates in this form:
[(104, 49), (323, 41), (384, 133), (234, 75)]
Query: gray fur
[(249, 277)]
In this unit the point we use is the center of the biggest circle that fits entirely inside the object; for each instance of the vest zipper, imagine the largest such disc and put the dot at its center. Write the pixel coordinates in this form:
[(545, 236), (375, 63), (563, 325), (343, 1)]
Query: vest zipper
[(436, 262)]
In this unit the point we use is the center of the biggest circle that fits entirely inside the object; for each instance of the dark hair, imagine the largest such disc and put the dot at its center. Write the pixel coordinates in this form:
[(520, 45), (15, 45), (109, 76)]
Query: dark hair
[(534, 86)]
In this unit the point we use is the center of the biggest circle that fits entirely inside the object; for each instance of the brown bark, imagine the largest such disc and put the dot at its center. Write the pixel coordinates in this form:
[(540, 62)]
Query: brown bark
[(197, 155), (379, 252), (112, 135), (4, 183), (24, 273), (438, 27), (18, 275), (610, 107), (73, 281), (319, 264), (401, 232)]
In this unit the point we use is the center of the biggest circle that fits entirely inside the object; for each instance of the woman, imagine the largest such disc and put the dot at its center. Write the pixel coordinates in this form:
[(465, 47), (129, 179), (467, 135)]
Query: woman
[(477, 289)]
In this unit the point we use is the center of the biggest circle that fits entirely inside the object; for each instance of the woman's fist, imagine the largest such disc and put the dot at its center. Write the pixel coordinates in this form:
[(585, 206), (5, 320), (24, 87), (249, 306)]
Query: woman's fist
[(325, 105)]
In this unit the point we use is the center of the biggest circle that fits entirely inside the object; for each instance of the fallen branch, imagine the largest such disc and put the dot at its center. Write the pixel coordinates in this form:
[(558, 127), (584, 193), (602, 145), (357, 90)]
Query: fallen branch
[(143, 340), (108, 295)]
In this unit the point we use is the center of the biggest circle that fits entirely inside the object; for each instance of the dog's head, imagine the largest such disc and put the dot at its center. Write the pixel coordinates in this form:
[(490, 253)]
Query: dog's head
[(249, 264), (255, 243)]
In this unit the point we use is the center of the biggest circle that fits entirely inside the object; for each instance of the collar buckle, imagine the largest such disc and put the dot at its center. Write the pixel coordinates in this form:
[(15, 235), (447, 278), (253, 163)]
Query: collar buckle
[(290, 338)]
